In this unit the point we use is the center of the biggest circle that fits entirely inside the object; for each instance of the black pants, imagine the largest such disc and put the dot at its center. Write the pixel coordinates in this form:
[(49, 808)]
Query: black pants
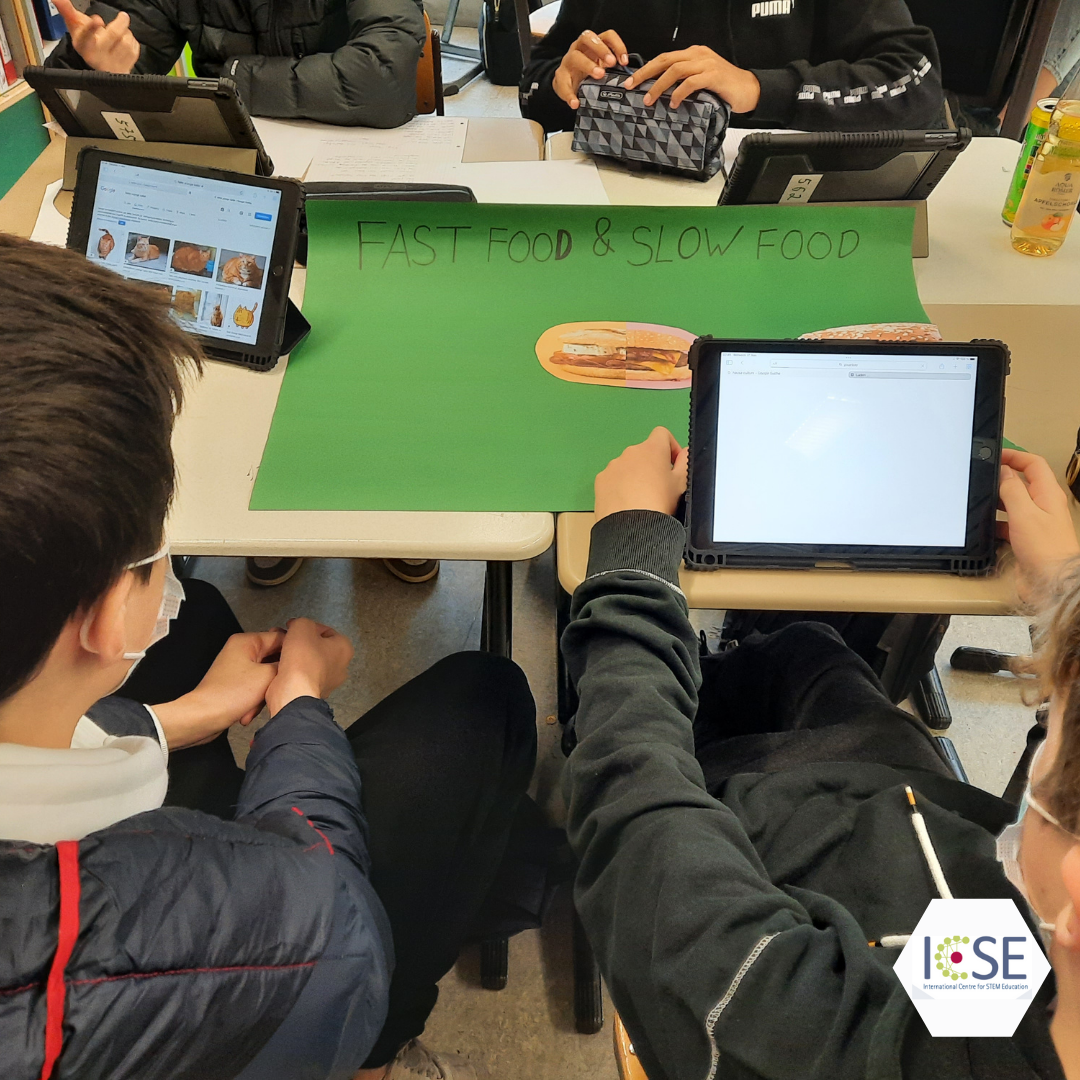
[(796, 696), (444, 762)]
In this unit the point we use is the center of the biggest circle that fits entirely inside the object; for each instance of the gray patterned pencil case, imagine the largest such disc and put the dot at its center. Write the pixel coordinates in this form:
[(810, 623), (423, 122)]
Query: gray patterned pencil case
[(615, 122)]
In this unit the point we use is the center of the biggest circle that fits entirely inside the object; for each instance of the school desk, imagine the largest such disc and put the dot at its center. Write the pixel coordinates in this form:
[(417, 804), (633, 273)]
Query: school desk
[(973, 285), (220, 436)]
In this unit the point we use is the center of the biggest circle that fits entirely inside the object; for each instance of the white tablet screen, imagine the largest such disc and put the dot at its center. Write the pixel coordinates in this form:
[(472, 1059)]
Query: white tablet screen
[(206, 242), (843, 449)]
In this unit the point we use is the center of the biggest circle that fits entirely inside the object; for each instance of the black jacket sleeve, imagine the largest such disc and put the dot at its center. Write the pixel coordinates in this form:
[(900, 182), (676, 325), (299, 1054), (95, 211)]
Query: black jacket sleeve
[(536, 97), (369, 81), (714, 970), (882, 73), (156, 29)]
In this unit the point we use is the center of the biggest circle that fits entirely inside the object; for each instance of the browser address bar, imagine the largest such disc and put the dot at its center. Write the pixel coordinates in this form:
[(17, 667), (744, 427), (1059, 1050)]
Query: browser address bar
[(850, 363)]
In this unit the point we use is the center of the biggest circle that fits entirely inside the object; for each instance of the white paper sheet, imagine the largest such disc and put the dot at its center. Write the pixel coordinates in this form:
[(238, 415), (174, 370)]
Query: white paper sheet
[(419, 152), (290, 143), (567, 183), (51, 226)]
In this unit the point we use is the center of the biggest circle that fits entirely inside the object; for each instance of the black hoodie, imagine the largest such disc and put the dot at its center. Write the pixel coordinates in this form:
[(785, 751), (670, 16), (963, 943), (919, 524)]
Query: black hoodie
[(732, 930), (823, 65)]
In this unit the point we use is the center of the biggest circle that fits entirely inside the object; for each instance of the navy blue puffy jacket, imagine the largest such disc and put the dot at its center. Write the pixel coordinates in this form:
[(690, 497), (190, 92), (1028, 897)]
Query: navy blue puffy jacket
[(196, 937)]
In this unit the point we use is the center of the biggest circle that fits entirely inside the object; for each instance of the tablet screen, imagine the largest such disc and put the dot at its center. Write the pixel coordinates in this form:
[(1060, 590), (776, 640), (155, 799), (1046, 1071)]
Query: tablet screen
[(206, 242), (860, 449)]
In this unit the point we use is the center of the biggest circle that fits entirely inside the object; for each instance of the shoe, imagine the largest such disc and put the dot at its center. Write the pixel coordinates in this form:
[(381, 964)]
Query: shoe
[(415, 1061), (270, 571), (413, 571)]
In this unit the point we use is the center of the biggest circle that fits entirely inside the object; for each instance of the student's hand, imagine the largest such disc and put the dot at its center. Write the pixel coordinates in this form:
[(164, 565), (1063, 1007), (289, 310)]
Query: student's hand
[(647, 476), (589, 56), (1040, 527), (110, 47), (698, 68), (314, 662), (234, 689)]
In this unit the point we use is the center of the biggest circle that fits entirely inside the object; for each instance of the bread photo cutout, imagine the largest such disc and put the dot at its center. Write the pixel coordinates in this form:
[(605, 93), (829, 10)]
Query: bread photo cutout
[(640, 356), (896, 331)]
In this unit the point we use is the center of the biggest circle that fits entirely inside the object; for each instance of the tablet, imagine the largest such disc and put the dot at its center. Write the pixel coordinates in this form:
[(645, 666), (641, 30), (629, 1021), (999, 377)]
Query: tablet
[(149, 108), (377, 191), (795, 168), (221, 245), (845, 454)]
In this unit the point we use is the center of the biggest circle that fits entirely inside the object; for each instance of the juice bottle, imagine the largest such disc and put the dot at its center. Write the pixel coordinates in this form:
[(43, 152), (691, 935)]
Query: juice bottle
[(1037, 128), (1053, 188)]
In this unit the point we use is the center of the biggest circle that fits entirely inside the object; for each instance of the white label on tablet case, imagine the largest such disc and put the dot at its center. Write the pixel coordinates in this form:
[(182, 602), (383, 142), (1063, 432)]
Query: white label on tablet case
[(799, 189), (123, 126)]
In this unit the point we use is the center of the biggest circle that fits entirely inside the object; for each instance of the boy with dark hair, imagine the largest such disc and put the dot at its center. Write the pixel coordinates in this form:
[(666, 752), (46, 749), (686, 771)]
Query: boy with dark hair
[(339, 61), (743, 829), (816, 65), (143, 935)]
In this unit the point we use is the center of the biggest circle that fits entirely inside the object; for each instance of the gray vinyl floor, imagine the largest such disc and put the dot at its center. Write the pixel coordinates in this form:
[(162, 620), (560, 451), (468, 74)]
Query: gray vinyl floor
[(527, 1030)]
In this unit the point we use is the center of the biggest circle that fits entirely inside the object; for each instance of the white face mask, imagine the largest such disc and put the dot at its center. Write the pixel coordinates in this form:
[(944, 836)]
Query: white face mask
[(172, 596), (1008, 849)]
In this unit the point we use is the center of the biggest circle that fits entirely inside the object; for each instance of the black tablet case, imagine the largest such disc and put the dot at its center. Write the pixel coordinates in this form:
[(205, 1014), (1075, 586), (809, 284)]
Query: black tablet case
[(861, 166), (295, 326), (343, 191), (203, 112), (858, 558)]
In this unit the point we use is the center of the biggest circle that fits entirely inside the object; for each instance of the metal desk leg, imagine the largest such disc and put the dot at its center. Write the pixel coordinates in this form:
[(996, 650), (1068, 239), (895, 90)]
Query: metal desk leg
[(451, 51), (455, 87), (567, 696), (497, 625), (496, 636), (588, 997), (451, 18)]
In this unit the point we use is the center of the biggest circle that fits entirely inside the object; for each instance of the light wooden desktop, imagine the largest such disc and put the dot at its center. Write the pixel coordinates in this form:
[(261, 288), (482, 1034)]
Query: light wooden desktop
[(973, 285)]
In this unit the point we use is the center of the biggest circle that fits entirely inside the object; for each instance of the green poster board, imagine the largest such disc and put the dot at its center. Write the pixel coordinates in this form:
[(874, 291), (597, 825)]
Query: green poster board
[(419, 387)]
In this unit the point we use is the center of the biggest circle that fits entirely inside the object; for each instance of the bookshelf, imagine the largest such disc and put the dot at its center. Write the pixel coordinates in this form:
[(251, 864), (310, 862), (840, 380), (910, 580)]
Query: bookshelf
[(28, 29), (22, 132)]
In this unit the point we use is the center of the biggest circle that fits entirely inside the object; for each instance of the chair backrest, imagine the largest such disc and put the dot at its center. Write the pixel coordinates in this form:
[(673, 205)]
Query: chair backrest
[(978, 42), (429, 84), (991, 51)]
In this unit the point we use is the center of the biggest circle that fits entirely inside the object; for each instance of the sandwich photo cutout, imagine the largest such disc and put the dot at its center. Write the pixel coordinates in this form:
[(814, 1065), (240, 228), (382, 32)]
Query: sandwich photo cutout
[(641, 356)]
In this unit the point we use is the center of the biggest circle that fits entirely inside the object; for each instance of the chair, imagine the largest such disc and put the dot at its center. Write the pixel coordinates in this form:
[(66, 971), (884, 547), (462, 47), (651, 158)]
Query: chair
[(543, 18), (625, 1057), (429, 84), (991, 51)]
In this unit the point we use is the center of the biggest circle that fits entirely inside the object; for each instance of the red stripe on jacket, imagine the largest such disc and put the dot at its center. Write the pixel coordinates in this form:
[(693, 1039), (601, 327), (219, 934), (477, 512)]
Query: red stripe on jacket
[(67, 853)]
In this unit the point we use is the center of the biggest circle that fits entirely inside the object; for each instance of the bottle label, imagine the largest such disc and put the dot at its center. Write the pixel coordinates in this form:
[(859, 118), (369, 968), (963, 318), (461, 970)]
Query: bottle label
[(1049, 201)]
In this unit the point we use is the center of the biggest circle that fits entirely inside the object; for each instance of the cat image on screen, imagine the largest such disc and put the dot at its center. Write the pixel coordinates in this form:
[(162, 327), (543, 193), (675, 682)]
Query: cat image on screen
[(242, 270), (216, 316), (244, 317), (144, 251), (105, 244), (186, 303), (190, 259)]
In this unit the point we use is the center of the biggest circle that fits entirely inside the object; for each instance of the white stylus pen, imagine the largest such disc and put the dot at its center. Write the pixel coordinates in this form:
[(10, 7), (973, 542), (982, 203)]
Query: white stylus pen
[(928, 848)]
